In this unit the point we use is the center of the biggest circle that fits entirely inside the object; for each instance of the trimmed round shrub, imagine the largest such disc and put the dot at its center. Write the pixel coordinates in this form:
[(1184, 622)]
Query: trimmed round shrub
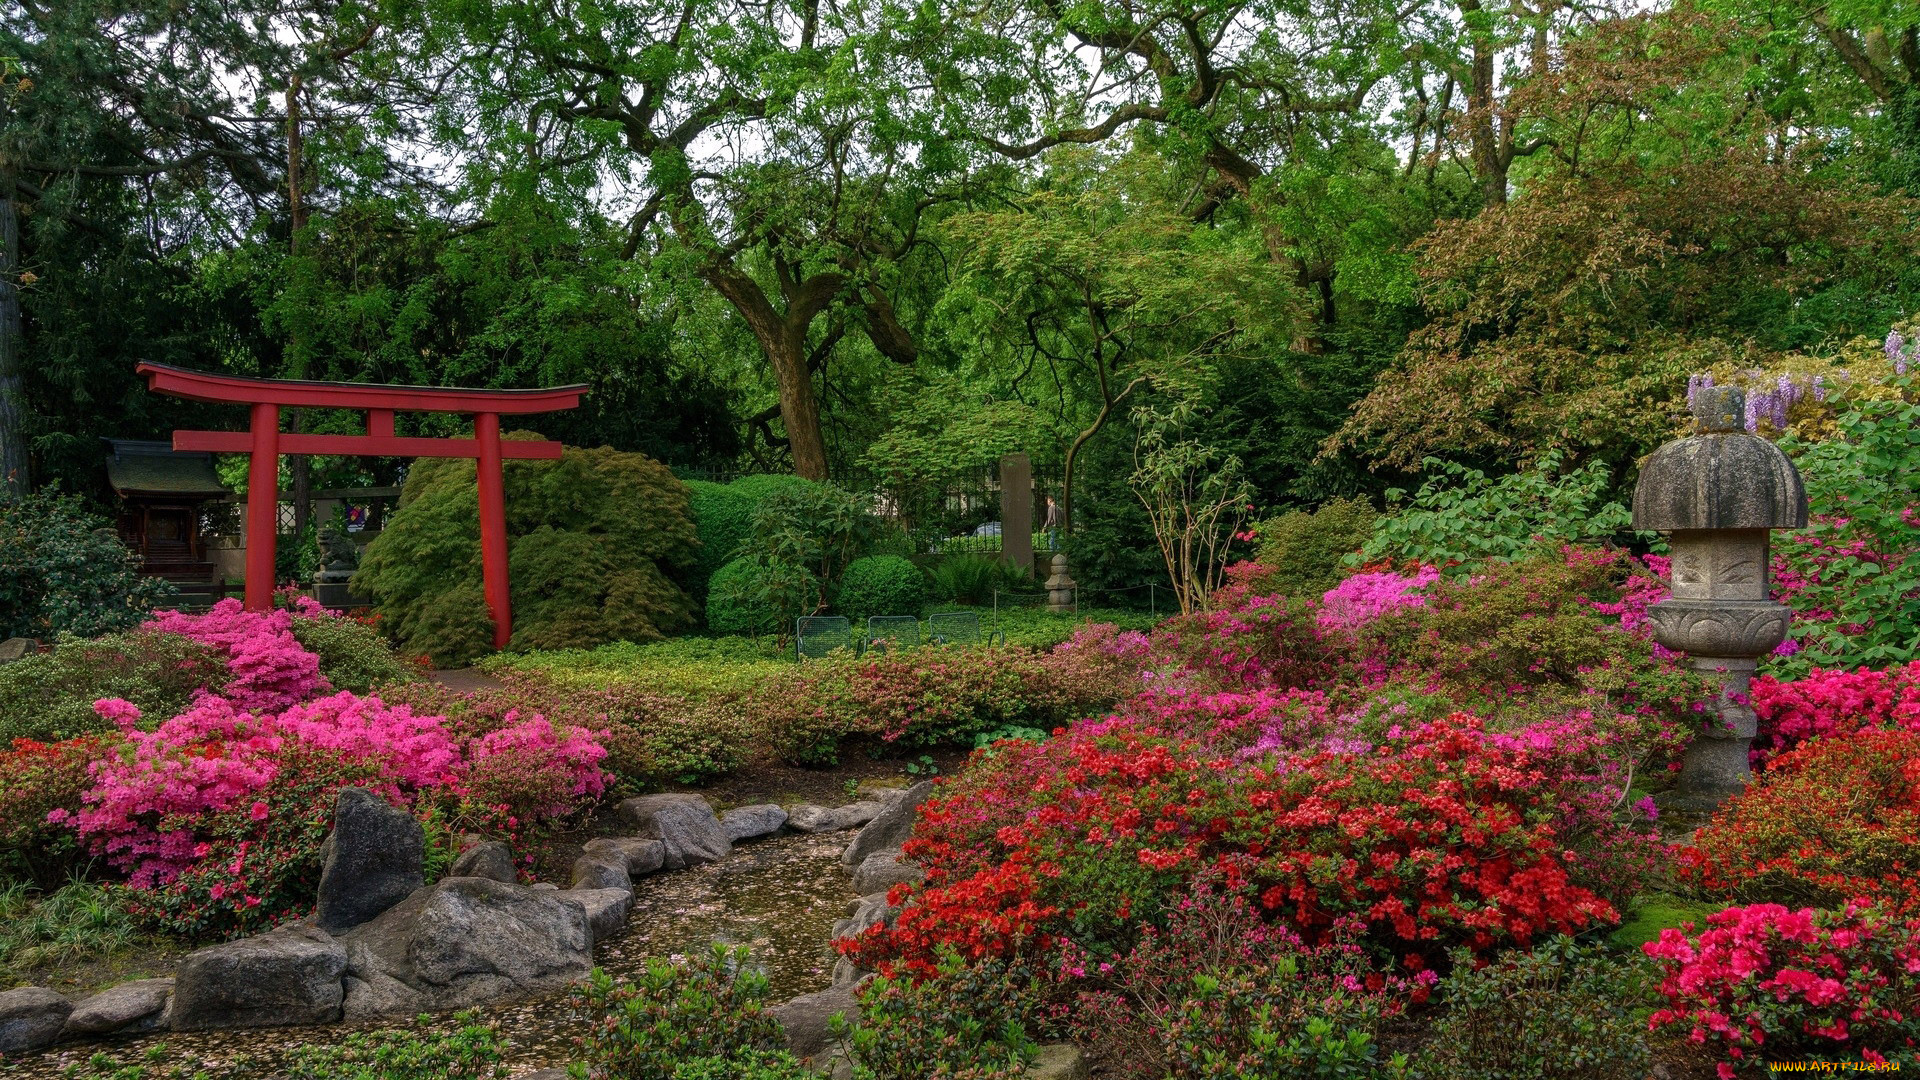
[(353, 656), (723, 517), (1300, 552), (63, 571), (593, 541), (50, 696), (881, 585), (728, 610), (755, 488)]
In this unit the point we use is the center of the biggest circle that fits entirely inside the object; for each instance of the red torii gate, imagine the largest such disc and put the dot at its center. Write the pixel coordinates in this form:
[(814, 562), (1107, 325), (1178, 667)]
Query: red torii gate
[(264, 442)]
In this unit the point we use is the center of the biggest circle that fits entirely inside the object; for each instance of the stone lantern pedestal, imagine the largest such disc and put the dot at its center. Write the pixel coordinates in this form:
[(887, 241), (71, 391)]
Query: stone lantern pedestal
[(1060, 586), (1717, 493)]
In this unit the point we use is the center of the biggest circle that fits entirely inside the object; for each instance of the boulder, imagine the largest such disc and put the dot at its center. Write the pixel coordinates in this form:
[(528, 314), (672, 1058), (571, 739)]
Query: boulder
[(868, 911), (1059, 1061), (883, 870), (606, 910), (601, 872), (121, 1007), (546, 1074), (31, 1018), (808, 818), (639, 856), (846, 974), (374, 858), (854, 815), (807, 1019), (491, 859), (748, 822), (17, 648), (286, 976), (462, 942), (890, 828), (684, 824)]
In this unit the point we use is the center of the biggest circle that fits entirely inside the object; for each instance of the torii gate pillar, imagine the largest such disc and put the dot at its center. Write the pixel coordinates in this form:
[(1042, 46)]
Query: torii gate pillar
[(264, 444)]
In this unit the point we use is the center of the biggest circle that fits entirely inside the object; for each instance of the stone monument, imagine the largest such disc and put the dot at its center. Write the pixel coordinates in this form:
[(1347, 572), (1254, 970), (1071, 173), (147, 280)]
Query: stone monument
[(339, 558), (1060, 586), (1717, 493)]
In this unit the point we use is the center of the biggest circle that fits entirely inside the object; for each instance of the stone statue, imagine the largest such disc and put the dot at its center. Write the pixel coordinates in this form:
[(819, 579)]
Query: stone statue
[(1717, 493), (339, 555)]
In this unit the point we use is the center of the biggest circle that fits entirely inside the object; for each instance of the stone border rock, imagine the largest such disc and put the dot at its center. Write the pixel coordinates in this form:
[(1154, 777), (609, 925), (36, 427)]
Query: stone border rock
[(387, 946)]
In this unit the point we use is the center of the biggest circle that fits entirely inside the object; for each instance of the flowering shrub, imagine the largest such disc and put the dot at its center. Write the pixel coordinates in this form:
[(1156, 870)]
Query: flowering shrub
[(536, 768), (38, 780), (708, 1007), (1834, 820), (961, 1022), (1833, 702), (1768, 982), (49, 696), (1441, 835), (268, 669), (1364, 597)]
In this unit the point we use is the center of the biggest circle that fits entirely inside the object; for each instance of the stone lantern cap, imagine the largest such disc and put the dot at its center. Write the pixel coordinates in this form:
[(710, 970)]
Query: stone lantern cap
[(1720, 477)]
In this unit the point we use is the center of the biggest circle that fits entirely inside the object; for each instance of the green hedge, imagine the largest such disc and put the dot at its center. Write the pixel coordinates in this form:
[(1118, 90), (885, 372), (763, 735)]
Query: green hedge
[(595, 539), (727, 613), (881, 585), (50, 696)]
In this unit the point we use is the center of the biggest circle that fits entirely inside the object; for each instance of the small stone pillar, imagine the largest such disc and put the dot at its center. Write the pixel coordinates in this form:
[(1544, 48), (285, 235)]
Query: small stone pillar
[(1060, 586), (1717, 493)]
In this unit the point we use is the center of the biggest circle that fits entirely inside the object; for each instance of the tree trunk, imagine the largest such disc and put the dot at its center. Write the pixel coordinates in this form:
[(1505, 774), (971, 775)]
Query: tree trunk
[(1489, 164), (799, 408), (14, 476), (783, 340), (300, 466)]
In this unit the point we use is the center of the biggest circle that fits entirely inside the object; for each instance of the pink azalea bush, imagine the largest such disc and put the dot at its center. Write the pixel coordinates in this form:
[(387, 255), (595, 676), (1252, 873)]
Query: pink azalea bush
[(1833, 702), (1767, 982), (269, 670), (1364, 597)]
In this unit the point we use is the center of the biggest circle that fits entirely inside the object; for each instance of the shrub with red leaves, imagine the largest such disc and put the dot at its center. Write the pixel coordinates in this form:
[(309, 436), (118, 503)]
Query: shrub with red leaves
[(1834, 820), (38, 779)]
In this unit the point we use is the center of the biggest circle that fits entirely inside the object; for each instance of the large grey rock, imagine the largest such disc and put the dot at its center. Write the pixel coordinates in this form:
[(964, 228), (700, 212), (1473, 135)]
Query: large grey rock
[(17, 648), (883, 870), (463, 942), (121, 1007), (640, 856), (866, 912), (808, 818), (601, 872), (890, 828), (854, 815), (606, 910), (373, 859), (807, 1019), (31, 1018), (846, 974), (684, 824), (748, 822), (286, 976), (1060, 1061), (491, 859)]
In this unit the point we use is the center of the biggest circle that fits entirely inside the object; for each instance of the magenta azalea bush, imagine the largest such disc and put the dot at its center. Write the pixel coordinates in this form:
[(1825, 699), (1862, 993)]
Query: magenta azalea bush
[(214, 816)]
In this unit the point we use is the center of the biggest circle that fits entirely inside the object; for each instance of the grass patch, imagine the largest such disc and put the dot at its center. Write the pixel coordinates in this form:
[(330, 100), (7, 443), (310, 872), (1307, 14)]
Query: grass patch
[(1654, 912), (78, 922)]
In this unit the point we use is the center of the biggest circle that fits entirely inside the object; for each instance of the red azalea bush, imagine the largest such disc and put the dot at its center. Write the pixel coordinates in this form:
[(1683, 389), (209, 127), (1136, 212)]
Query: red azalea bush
[(1833, 702), (1442, 835), (39, 780), (1765, 982), (1832, 820)]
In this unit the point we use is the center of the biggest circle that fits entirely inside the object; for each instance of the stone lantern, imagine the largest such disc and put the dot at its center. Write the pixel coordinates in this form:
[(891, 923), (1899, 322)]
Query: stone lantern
[(1060, 587), (1716, 493)]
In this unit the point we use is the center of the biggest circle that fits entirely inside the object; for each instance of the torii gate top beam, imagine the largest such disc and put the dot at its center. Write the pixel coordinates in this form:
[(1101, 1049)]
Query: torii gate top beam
[(242, 390)]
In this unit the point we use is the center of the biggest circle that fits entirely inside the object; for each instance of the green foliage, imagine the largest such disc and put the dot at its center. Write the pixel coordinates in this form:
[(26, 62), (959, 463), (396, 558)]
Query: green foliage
[(50, 696), (353, 656), (63, 571), (966, 1020), (474, 1050), (1460, 518), (755, 1065), (716, 668), (77, 922), (1560, 1012), (804, 537), (1301, 552), (722, 517), (1858, 558), (594, 539), (880, 585), (967, 578), (1651, 913), (707, 1007)]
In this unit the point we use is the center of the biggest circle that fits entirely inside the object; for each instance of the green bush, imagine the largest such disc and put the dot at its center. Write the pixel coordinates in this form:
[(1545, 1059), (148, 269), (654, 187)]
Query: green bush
[(1461, 518), (1301, 552), (50, 696), (708, 1007), (736, 604), (722, 517), (966, 579), (760, 1065), (473, 1051), (353, 656), (63, 571), (803, 539), (881, 585), (1562, 1011), (963, 1020), (594, 539)]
